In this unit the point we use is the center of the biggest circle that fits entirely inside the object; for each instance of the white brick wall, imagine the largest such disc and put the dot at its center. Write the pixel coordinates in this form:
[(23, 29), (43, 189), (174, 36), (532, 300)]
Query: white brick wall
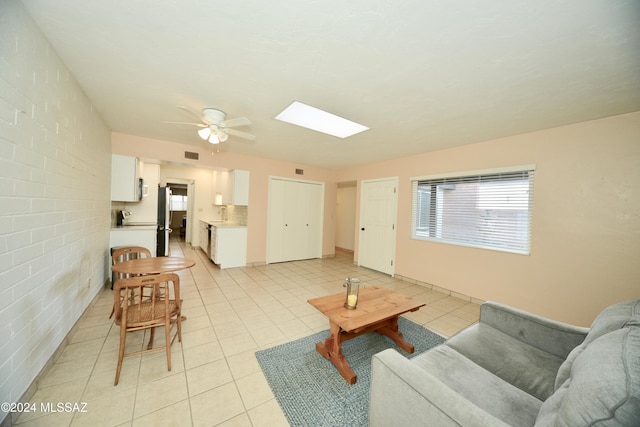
[(55, 164)]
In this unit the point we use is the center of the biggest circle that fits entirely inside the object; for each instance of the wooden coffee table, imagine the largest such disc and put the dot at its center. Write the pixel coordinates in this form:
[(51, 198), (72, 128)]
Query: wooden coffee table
[(378, 311)]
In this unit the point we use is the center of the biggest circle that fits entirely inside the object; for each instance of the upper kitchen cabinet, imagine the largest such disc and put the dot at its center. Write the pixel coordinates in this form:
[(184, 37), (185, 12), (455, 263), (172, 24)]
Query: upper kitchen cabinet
[(126, 179), (231, 188), (239, 185)]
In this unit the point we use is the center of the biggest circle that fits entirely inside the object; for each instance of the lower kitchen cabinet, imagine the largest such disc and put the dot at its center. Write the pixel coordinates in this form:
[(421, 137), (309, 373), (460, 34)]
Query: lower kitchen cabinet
[(144, 236), (229, 246), (204, 236)]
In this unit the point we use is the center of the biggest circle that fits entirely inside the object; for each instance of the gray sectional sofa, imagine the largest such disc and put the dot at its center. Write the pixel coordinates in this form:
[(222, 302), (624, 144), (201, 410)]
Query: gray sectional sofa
[(514, 368)]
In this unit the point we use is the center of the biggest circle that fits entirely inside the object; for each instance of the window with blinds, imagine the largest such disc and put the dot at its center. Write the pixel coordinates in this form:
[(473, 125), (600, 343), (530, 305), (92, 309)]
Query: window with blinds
[(178, 202), (490, 209)]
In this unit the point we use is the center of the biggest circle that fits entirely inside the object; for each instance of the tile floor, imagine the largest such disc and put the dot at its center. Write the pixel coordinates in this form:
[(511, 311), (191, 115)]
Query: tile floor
[(215, 379)]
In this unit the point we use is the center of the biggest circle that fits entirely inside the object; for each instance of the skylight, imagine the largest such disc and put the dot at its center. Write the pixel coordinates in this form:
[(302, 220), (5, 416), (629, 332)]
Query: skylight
[(315, 119)]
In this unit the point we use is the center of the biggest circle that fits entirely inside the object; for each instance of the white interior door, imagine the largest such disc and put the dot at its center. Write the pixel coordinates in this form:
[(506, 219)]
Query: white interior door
[(294, 220), (296, 235), (377, 233), (314, 223)]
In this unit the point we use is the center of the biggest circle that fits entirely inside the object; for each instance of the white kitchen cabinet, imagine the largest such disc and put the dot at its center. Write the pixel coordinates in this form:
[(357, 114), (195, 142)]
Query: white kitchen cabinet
[(231, 188), (126, 178), (239, 187), (204, 236), (144, 236), (229, 246), (220, 188)]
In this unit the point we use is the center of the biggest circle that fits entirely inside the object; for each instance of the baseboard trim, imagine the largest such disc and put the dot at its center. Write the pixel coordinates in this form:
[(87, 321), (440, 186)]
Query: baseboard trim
[(439, 289), (349, 251), (8, 421)]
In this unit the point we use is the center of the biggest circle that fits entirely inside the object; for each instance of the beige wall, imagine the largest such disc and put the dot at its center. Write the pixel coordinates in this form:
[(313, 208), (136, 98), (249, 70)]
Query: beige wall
[(260, 169), (346, 217), (586, 220), (586, 217)]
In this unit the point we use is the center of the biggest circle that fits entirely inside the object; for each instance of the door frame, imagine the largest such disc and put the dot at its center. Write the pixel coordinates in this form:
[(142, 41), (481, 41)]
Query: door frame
[(395, 181), (191, 191)]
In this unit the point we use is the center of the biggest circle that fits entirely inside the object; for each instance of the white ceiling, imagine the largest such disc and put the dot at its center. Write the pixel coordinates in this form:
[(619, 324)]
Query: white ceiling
[(422, 74)]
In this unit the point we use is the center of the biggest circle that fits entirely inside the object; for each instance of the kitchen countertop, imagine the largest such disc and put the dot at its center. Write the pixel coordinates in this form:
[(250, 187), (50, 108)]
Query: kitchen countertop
[(219, 223), (135, 227)]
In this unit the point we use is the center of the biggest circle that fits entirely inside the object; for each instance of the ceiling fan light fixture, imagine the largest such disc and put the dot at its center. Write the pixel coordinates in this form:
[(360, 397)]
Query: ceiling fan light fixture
[(204, 133), (213, 126)]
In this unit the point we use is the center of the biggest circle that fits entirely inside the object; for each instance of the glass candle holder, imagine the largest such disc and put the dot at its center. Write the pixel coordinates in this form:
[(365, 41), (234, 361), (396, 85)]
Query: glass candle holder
[(353, 285)]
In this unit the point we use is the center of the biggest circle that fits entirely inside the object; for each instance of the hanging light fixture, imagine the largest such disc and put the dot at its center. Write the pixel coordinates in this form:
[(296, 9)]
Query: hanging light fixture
[(204, 133), (212, 134)]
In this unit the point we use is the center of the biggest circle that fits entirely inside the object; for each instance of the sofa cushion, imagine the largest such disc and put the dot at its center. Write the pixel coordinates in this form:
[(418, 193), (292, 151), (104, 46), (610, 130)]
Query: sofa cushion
[(404, 394), (617, 316), (604, 386), (526, 367), (551, 336), (485, 390)]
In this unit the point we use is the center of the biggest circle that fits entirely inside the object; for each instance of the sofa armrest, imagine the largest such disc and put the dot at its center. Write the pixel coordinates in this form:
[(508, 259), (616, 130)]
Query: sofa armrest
[(554, 337), (404, 394)]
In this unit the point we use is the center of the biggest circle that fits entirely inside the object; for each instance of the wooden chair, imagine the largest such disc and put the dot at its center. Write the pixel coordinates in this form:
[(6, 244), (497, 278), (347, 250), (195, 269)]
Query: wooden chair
[(121, 254), (162, 308)]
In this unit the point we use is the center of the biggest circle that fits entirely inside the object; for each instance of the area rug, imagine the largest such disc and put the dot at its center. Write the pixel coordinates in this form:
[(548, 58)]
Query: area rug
[(310, 390)]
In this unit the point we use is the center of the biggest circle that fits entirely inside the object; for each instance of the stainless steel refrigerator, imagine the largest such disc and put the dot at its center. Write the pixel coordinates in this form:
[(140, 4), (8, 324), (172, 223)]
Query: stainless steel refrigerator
[(164, 221)]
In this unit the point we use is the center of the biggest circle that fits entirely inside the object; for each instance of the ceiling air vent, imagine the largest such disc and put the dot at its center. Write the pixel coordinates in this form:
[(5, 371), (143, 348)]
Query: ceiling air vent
[(299, 171), (191, 155)]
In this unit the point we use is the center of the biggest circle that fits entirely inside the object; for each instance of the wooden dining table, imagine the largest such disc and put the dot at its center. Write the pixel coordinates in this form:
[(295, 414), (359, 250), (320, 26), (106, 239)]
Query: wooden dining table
[(154, 265)]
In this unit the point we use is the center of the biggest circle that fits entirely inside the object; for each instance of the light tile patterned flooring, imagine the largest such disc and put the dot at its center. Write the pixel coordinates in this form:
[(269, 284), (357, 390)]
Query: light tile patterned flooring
[(215, 379)]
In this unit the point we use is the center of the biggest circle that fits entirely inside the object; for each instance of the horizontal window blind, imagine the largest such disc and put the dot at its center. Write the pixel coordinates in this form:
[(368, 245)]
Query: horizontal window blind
[(178, 202), (491, 210)]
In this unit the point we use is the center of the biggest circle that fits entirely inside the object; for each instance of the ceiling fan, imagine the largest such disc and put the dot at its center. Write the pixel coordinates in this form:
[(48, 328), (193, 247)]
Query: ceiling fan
[(214, 127)]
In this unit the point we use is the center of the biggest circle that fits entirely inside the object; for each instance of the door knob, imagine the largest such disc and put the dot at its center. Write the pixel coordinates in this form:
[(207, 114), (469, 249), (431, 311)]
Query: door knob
[(362, 229)]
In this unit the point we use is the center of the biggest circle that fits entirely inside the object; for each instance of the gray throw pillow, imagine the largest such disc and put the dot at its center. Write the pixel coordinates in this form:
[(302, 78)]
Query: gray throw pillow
[(603, 388), (612, 318)]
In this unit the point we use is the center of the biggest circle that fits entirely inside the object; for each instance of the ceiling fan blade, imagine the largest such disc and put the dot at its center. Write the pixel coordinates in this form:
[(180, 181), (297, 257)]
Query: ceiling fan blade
[(192, 112), (240, 121), (202, 125), (240, 134)]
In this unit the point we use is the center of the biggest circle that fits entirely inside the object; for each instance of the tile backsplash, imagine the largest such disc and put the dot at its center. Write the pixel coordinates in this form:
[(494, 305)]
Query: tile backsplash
[(237, 214), (115, 208)]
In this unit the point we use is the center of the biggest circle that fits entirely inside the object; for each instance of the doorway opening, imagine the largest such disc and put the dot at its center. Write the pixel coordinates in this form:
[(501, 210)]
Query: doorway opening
[(345, 237), (181, 208)]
